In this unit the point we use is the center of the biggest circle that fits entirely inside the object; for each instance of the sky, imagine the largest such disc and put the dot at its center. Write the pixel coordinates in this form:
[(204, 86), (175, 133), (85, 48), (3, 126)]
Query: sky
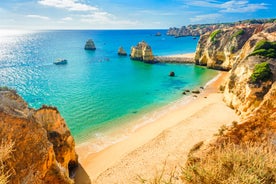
[(127, 14)]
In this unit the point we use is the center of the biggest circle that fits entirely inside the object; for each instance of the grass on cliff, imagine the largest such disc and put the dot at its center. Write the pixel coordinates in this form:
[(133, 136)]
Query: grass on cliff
[(230, 163), (5, 154), (237, 33), (214, 34), (261, 72), (248, 163), (265, 48)]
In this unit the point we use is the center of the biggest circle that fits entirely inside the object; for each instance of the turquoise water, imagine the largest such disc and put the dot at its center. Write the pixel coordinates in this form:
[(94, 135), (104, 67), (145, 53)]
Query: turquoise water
[(96, 89)]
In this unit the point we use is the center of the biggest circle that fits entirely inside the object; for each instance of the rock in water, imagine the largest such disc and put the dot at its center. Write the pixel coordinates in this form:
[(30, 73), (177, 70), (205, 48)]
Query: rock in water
[(172, 74), (90, 45), (44, 149), (142, 52), (121, 52)]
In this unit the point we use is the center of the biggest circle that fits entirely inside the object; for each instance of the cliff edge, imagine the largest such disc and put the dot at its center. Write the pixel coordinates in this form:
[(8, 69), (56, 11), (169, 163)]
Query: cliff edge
[(43, 147)]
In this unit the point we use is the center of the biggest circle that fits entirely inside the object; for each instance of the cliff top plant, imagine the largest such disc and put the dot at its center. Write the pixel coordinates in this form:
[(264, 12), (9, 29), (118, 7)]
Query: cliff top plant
[(5, 154), (214, 34), (230, 163), (237, 33), (261, 72), (265, 48)]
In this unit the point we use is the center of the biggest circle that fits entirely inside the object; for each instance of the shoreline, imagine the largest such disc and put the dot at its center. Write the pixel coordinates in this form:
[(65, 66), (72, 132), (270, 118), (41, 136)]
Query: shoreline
[(96, 164)]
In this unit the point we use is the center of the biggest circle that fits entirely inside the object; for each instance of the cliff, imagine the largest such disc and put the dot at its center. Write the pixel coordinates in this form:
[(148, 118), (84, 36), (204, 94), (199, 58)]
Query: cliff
[(254, 73), (220, 49), (142, 52), (43, 148), (195, 30), (200, 29)]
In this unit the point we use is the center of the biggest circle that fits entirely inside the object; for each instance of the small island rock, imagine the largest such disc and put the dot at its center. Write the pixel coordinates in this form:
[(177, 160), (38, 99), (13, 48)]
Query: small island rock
[(142, 52), (172, 74), (90, 45), (121, 52)]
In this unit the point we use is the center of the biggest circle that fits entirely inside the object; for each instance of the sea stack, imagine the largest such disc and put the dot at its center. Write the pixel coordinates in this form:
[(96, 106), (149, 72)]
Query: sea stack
[(142, 52), (121, 51), (90, 45)]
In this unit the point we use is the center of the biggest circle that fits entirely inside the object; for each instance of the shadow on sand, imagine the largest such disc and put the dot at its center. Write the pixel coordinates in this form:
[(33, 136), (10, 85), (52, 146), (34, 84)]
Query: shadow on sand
[(81, 177)]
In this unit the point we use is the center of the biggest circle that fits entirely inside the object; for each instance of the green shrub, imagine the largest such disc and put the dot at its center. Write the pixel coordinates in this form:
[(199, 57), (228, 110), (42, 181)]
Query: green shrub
[(213, 35), (237, 33), (232, 49), (265, 48), (261, 72)]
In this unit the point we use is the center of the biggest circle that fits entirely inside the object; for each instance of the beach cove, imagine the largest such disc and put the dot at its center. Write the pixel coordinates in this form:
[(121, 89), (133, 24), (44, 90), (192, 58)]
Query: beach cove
[(165, 141)]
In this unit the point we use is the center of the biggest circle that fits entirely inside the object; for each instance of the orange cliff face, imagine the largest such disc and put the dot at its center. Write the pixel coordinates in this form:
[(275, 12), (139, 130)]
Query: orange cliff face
[(43, 150)]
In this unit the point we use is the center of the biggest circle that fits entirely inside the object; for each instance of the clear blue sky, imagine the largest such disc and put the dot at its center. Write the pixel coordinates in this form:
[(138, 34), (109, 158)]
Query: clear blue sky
[(127, 14)]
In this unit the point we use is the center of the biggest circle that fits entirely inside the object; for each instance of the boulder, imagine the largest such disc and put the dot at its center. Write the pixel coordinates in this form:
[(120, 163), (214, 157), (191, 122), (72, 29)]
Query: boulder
[(90, 45), (121, 52), (196, 91), (172, 74), (142, 52)]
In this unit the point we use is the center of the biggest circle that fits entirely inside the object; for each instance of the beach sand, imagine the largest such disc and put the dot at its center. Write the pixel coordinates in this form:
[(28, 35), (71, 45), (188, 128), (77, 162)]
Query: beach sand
[(186, 55), (161, 145)]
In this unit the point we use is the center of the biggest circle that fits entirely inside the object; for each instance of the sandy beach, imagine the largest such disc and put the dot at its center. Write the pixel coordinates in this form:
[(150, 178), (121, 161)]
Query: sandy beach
[(176, 58), (186, 55), (160, 145)]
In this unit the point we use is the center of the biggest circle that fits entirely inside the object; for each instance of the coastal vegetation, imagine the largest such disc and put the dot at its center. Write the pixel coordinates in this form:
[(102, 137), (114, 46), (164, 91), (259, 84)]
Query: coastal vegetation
[(231, 163), (214, 34), (261, 72), (265, 48), (5, 154), (238, 33)]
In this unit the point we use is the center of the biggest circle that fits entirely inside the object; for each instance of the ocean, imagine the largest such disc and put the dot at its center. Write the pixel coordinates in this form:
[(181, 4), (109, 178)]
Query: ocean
[(97, 90)]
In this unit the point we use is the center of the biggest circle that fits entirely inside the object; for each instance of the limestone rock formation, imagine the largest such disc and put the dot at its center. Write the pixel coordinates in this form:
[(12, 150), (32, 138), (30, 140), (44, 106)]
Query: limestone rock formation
[(240, 93), (121, 52), (90, 45), (241, 49), (142, 52), (43, 146), (220, 49)]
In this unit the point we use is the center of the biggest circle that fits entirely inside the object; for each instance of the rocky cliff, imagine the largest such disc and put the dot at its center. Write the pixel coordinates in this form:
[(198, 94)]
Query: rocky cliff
[(195, 30), (43, 150), (200, 29), (253, 73), (142, 52), (249, 52)]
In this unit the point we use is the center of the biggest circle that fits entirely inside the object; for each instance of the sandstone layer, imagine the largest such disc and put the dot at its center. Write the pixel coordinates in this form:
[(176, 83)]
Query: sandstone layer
[(44, 150)]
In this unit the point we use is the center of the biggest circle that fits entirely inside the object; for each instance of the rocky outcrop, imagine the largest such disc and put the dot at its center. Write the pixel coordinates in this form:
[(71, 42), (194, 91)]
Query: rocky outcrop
[(195, 30), (121, 52), (142, 52), (90, 45), (43, 146), (240, 92), (200, 29), (221, 48)]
